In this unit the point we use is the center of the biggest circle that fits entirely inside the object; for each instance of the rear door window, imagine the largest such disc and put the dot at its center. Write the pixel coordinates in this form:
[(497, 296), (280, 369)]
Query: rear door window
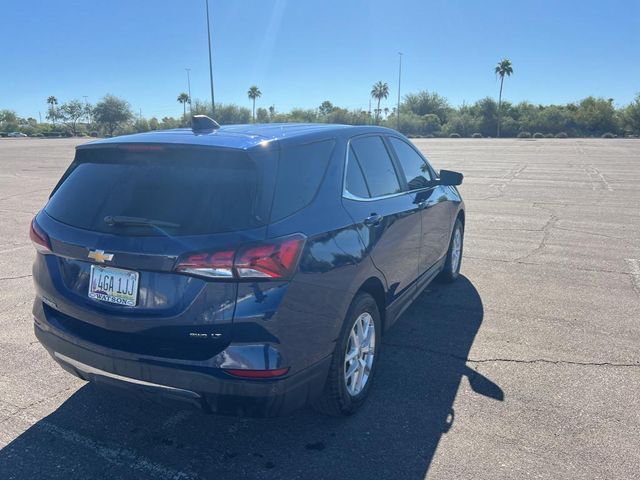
[(301, 169), (355, 183), (376, 164), (198, 190), (415, 168)]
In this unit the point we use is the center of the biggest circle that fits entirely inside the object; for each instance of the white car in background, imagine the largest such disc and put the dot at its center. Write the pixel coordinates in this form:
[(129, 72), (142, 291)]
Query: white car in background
[(16, 134)]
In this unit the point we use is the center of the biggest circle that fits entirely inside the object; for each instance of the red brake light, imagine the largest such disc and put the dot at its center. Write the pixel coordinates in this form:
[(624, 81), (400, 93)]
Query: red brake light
[(273, 260), (258, 373), (141, 147), (39, 238), (217, 264)]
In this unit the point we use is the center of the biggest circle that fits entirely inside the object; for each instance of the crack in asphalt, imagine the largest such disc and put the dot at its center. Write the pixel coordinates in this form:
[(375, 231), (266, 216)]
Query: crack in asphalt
[(511, 360), (26, 408), (634, 265), (507, 178), (15, 278), (574, 267), (546, 232), (19, 194)]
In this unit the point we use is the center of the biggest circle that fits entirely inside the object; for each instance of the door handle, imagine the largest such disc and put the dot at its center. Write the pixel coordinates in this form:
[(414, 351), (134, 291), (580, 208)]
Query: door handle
[(373, 220)]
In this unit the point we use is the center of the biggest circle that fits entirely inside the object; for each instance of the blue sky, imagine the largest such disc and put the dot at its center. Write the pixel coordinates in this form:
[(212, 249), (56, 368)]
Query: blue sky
[(301, 52)]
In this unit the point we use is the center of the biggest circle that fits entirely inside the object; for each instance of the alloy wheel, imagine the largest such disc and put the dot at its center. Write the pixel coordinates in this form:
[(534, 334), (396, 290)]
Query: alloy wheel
[(360, 354)]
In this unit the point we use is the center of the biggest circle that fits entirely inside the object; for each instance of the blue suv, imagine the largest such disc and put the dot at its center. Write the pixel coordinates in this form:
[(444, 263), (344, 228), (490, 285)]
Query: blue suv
[(249, 269)]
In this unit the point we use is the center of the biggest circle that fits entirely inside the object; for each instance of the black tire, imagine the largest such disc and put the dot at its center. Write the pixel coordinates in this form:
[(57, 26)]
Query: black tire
[(448, 273), (336, 400)]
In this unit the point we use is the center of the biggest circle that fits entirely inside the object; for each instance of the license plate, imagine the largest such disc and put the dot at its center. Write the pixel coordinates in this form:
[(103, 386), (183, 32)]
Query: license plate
[(114, 285)]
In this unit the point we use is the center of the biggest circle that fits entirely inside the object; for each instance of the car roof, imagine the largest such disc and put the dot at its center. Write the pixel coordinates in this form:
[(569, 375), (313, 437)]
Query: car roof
[(241, 136)]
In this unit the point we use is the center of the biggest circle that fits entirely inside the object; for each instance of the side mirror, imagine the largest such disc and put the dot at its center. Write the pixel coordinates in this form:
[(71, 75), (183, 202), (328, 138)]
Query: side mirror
[(482, 385), (449, 178)]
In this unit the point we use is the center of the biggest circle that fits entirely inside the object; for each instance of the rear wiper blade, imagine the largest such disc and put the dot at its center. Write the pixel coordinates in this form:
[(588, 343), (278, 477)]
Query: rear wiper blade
[(113, 220)]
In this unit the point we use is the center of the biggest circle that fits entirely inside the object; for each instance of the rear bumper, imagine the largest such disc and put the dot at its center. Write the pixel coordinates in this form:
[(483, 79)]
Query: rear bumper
[(210, 389)]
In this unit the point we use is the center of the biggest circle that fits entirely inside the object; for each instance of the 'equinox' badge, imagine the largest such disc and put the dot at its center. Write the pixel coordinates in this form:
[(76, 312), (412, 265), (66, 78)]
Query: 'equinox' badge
[(99, 256)]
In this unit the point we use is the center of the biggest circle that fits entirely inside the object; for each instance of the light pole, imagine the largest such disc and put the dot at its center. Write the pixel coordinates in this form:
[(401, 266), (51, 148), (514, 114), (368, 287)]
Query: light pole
[(399, 81), (189, 87), (213, 103), (86, 109)]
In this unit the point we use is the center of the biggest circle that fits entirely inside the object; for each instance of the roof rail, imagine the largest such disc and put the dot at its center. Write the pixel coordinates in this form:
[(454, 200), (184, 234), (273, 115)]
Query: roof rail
[(202, 123)]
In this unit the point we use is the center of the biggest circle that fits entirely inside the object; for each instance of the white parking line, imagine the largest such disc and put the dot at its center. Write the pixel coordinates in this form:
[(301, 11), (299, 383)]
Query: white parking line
[(115, 455), (600, 181), (604, 180), (14, 249), (175, 419), (634, 267)]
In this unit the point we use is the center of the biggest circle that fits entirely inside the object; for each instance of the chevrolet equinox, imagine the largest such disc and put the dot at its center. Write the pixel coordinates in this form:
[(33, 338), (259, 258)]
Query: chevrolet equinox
[(248, 269)]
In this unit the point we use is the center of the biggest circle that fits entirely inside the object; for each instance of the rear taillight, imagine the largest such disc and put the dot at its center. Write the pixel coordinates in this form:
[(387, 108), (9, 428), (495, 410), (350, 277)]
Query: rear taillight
[(39, 238), (141, 147), (276, 259), (216, 265)]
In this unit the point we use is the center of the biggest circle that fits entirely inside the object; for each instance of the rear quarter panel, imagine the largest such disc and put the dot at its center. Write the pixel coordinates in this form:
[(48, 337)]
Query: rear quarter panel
[(306, 315)]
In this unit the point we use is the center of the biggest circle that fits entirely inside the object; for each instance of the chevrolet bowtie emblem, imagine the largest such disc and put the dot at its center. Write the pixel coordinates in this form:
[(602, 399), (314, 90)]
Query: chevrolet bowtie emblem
[(99, 256)]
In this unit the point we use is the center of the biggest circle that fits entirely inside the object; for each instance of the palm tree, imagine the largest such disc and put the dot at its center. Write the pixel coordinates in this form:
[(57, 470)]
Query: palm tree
[(502, 68), (379, 91), (183, 98), (52, 101), (253, 93)]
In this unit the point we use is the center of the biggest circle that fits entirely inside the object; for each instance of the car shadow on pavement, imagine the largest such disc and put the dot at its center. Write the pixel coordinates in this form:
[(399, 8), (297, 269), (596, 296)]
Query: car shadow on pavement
[(396, 434)]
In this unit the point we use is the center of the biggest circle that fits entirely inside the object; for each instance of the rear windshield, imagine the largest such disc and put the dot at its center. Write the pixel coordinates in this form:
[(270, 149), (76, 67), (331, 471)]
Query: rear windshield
[(182, 191)]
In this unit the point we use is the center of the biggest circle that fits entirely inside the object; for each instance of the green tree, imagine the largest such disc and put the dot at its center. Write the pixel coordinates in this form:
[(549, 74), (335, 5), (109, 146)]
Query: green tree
[(554, 119), (141, 125), (424, 103), (169, 122), (461, 122), (262, 115), (183, 98), (431, 123), (326, 108), (411, 123), (303, 115), (9, 121), (595, 116), (198, 107), (338, 115), (254, 93), (379, 91), (111, 112), (70, 114), (229, 114), (485, 112), (503, 68), (631, 116), (51, 111)]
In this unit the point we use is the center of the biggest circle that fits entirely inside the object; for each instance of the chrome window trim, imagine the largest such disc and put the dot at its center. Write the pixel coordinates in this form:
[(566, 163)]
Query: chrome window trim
[(350, 196)]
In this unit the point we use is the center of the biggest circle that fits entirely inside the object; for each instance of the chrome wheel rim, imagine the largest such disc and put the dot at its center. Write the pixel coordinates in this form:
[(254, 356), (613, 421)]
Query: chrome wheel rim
[(360, 353), (456, 250)]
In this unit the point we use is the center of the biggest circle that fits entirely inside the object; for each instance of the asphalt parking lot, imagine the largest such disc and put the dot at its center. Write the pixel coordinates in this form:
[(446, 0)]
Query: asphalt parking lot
[(527, 367)]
